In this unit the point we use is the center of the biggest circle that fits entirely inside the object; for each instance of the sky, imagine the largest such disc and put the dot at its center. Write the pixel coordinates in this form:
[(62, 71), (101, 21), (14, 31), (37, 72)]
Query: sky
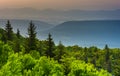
[(62, 4)]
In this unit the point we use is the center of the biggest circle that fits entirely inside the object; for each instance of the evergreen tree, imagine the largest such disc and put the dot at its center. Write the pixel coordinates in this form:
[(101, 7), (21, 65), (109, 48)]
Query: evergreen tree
[(107, 58), (50, 46), (31, 40), (18, 34), (9, 32)]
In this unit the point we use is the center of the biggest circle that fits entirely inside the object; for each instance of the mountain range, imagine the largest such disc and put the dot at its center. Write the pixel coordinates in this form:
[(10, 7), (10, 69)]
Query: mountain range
[(83, 33), (88, 33)]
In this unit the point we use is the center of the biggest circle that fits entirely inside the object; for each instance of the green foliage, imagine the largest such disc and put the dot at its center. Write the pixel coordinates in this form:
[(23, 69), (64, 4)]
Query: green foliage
[(50, 46), (79, 68), (31, 40), (59, 51), (66, 61), (47, 67), (9, 32), (35, 54), (5, 51), (13, 67), (28, 62), (30, 56), (19, 64), (2, 35), (25, 65)]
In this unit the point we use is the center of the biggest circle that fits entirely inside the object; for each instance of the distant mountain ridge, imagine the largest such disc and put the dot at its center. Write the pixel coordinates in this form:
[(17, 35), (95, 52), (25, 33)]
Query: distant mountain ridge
[(82, 33), (87, 26), (88, 33)]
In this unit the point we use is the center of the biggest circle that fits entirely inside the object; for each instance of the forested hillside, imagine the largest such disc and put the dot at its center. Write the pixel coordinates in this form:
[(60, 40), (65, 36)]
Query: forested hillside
[(29, 56)]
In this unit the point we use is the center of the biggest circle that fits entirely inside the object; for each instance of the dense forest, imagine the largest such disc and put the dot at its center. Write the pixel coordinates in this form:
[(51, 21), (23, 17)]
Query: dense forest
[(29, 56)]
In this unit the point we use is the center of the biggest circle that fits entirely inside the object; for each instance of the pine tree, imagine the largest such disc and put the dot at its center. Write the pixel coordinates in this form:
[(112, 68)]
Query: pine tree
[(107, 58), (50, 46), (9, 32), (18, 34), (31, 40)]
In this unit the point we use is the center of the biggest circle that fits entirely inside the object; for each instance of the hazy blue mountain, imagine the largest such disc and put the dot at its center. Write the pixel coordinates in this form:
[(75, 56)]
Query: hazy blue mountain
[(59, 16), (83, 33), (22, 25), (87, 33)]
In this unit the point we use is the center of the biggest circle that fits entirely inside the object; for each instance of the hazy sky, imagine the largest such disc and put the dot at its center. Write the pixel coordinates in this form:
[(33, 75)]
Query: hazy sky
[(61, 4)]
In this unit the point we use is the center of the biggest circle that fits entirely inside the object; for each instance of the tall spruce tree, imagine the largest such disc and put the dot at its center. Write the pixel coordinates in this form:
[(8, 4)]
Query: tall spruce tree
[(9, 32), (31, 40), (50, 46)]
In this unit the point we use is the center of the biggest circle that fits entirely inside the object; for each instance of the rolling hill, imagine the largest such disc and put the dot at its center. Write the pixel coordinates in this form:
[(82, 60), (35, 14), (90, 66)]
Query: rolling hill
[(87, 33)]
